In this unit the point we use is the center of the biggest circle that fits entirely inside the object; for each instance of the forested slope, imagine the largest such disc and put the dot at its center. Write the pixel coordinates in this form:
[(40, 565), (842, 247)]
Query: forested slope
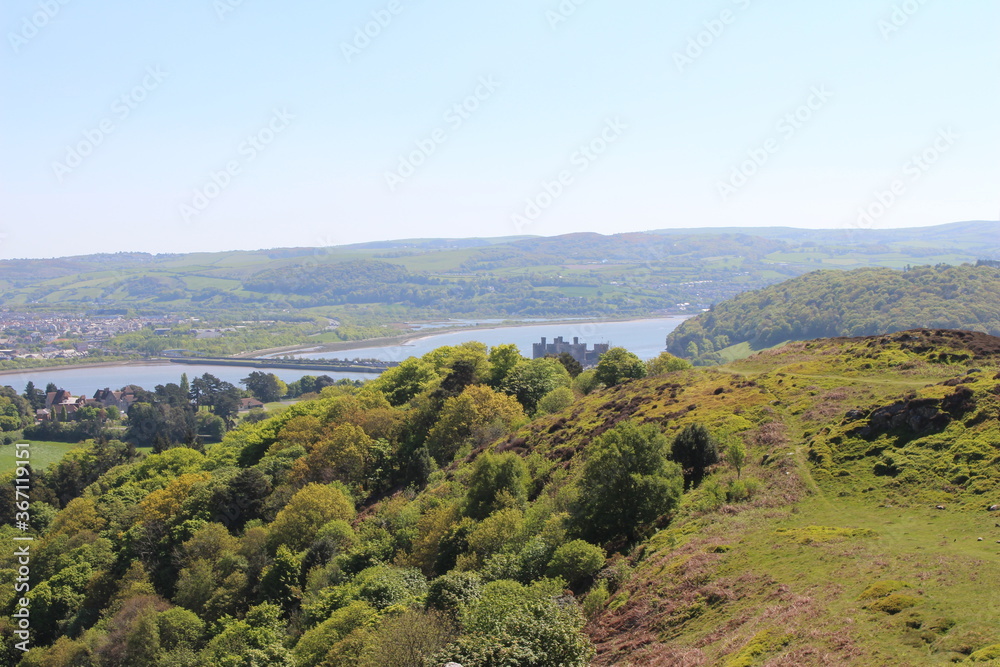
[(847, 303)]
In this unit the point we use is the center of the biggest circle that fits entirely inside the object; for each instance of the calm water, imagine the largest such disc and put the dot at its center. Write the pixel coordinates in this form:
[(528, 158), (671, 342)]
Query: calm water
[(643, 337), (88, 380)]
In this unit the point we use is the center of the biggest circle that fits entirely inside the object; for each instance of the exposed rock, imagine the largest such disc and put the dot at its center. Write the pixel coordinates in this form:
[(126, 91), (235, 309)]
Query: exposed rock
[(917, 415), (994, 508), (854, 415)]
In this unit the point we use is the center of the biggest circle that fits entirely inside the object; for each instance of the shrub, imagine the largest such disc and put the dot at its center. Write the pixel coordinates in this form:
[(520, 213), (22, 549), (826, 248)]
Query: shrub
[(666, 363), (556, 400), (741, 490), (586, 382), (383, 585), (450, 593), (408, 639), (880, 589), (576, 560), (762, 643), (986, 654), (894, 603), (594, 603)]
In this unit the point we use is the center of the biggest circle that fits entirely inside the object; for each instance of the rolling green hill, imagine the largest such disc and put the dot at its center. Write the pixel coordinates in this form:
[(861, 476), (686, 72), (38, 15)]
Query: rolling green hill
[(844, 303), (572, 275), (423, 518)]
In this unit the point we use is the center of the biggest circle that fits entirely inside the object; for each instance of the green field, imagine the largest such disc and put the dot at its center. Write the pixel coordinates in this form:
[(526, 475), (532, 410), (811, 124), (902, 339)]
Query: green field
[(42, 454)]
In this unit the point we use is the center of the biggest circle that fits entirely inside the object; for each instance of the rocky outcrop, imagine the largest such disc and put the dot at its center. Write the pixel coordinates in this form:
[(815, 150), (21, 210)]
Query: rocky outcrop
[(916, 415)]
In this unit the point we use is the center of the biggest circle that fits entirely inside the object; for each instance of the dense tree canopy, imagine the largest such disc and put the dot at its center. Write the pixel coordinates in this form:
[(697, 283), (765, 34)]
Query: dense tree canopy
[(847, 303)]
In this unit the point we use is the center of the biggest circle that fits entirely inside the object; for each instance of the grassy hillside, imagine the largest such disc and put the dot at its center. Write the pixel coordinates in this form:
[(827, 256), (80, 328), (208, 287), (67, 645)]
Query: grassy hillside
[(423, 518), (838, 303), (845, 559)]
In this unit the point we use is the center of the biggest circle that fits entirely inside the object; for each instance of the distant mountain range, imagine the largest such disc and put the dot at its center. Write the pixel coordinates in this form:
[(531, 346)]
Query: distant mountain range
[(582, 274)]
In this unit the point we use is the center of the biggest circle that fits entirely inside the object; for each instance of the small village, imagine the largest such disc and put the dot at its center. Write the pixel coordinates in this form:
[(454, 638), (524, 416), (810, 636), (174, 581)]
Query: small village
[(61, 405), (25, 336)]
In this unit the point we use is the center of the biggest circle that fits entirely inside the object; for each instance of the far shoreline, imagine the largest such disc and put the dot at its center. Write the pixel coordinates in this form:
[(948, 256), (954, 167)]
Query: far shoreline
[(386, 341), (97, 364), (412, 337)]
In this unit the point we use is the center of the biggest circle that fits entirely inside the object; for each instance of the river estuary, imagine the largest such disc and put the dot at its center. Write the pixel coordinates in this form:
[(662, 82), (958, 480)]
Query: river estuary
[(643, 337)]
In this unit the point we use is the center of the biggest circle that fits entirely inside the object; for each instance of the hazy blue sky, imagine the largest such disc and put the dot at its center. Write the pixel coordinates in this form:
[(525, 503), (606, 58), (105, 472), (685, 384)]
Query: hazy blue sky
[(219, 124)]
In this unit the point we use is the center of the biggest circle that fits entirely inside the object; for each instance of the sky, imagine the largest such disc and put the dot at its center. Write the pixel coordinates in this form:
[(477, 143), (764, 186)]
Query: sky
[(193, 125)]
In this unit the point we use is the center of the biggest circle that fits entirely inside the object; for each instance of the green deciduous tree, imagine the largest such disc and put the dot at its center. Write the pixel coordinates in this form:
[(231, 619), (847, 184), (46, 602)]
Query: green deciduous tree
[(451, 593), (266, 387), (512, 624), (409, 639), (695, 450), (503, 359), (736, 454), (468, 415), (255, 641), (401, 383), (497, 480), (280, 581), (666, 363), (529, 381), (314, 505), (627, 482), (312, 647), (617, 365)]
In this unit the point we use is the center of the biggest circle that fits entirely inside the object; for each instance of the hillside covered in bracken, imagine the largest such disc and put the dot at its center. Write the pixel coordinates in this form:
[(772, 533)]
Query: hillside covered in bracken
[(831, 502)]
